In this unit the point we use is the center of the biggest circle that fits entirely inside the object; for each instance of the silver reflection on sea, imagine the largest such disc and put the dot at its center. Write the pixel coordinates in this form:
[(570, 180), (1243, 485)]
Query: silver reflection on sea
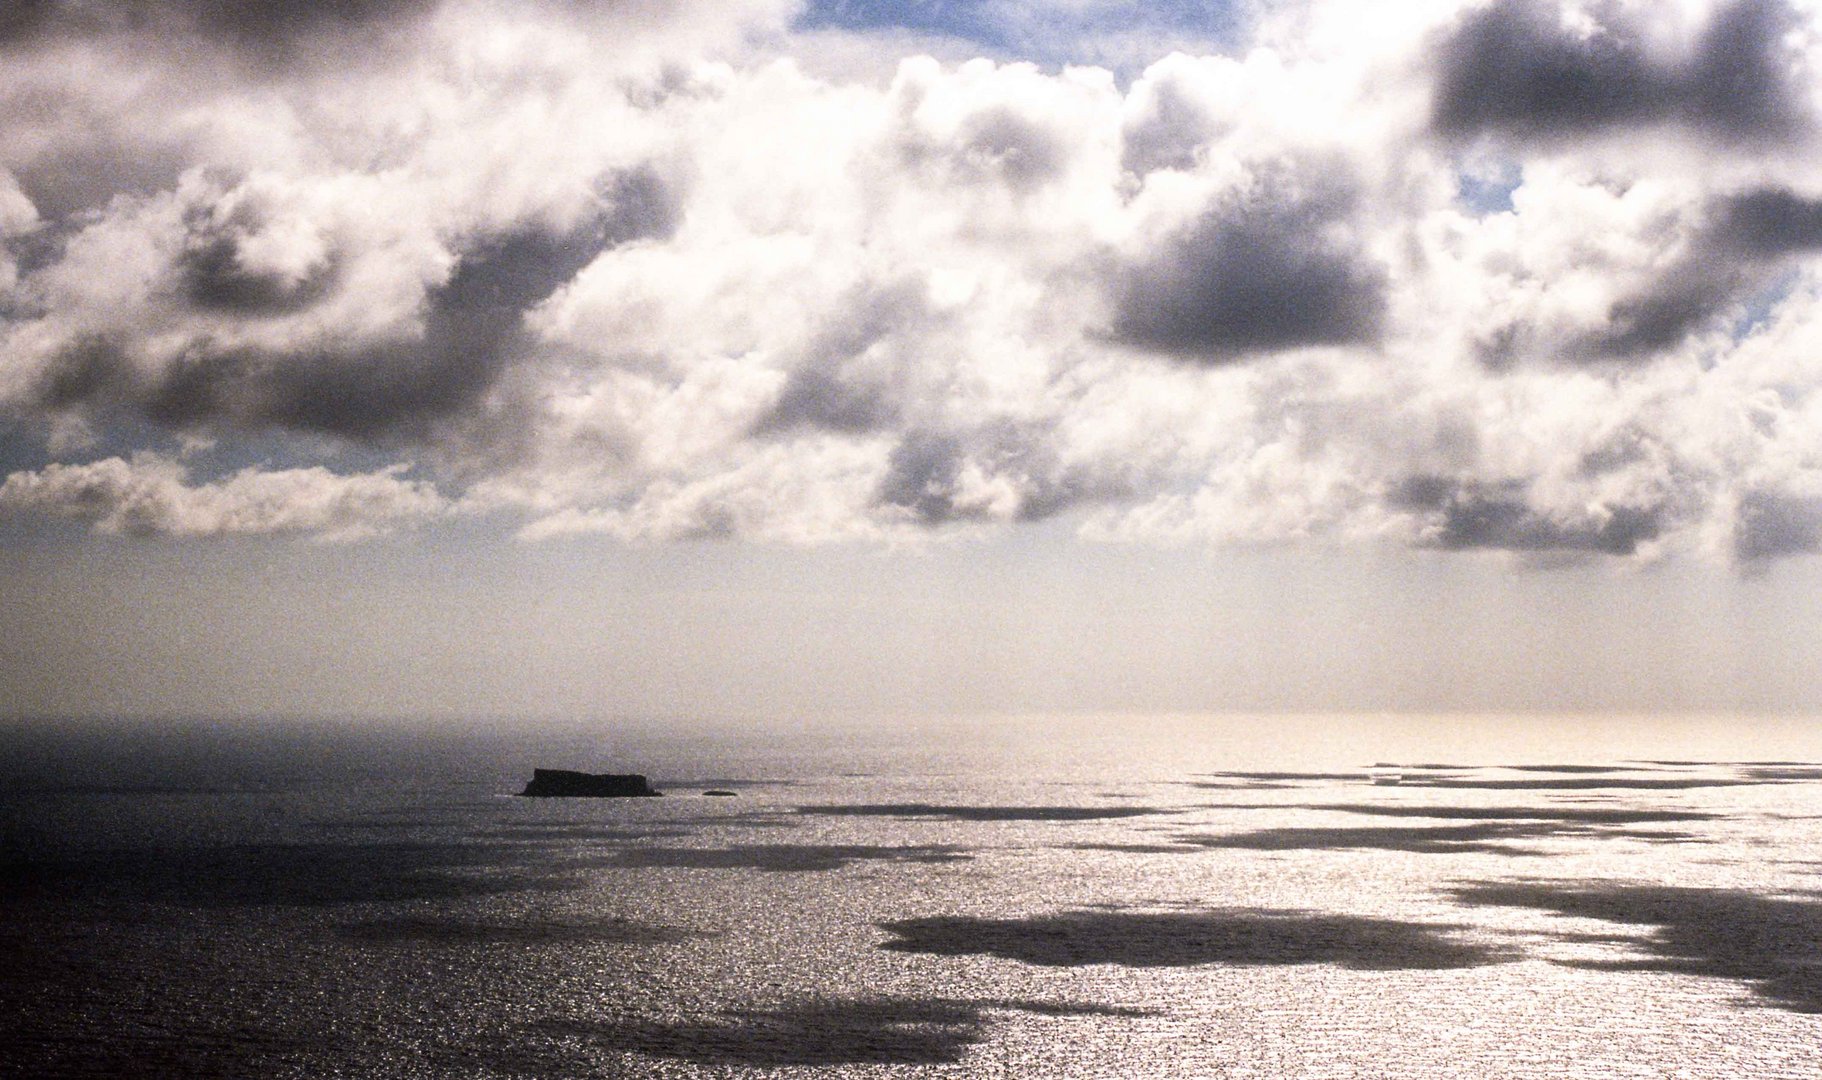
[(1199, 897)]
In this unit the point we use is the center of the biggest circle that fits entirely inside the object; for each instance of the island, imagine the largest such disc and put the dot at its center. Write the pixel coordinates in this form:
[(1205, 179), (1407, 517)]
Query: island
[(565, 784)]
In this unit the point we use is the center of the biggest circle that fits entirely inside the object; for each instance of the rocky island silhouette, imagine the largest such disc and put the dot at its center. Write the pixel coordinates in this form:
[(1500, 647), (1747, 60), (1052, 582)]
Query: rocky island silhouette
[(566, 783)]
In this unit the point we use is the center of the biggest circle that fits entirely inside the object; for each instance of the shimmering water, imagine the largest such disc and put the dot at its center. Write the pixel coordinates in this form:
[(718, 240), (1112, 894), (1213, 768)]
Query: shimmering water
[(1192, 897)]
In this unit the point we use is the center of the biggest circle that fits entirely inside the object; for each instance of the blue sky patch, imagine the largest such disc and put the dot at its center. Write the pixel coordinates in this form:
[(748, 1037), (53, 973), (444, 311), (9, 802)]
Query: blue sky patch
[(1490, 192), (1046, 33), (1758, 308)]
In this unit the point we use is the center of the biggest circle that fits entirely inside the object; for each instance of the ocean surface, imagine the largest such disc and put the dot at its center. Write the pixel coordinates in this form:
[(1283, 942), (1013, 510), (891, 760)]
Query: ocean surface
[(1119, 897)]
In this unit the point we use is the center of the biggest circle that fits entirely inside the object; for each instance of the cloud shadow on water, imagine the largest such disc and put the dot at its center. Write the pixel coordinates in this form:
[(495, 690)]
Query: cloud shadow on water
[(874, 1031), (538, 832), (1225, 781), (1131, 849), (982, 813), (419, 930), (1774, 944), (780, 858), (1357, 774), (1784, 772), (1578, 815), (1591, 770), (301, 875), (1579, 783), (1482, 837), (1244, 937)]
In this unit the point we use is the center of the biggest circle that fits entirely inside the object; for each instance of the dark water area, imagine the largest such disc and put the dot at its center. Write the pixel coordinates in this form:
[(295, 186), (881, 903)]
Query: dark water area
[(1030, 898)]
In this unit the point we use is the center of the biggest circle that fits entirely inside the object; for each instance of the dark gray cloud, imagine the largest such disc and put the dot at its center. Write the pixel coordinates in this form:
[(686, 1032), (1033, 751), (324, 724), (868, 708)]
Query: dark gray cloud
[(927, 475), (1171, 134), (1669, 310), (268, 21), (264, 25), (1514, 68), (215, 274), (921, 476), (1469, 515), (1747, 237), (472, 330), (1739, 79), (845, 382), (215, 278), (86, 369), (821, 395), (1733, 245), (640, 203), (1768, 221), (21, 19), (1273, 266), (997, 145), (73, 178), (1002, 143), (1769, 524)]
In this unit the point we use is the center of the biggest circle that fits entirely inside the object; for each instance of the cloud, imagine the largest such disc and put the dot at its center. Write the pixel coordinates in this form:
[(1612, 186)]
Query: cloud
[(1744, 243), (153, 496), (1457, 516), (1172, 116), (260, 38), (651, 270), (845, 381), (274, 33), (1272, 266), (237, 259), (1538, 69), (24, 19), (267, 20), (1771, 524), (1771, 221), (233, 263)]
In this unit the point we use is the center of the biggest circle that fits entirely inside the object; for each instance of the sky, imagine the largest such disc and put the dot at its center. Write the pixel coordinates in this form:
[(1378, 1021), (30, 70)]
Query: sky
[(711, 359)]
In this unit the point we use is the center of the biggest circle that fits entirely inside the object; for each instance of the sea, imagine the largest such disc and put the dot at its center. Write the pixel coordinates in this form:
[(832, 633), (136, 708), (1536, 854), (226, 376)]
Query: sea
[(1033, 896)]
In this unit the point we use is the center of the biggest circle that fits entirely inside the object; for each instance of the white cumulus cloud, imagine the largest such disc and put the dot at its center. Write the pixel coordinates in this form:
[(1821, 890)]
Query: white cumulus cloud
[(1512, 275), (149, 495)]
